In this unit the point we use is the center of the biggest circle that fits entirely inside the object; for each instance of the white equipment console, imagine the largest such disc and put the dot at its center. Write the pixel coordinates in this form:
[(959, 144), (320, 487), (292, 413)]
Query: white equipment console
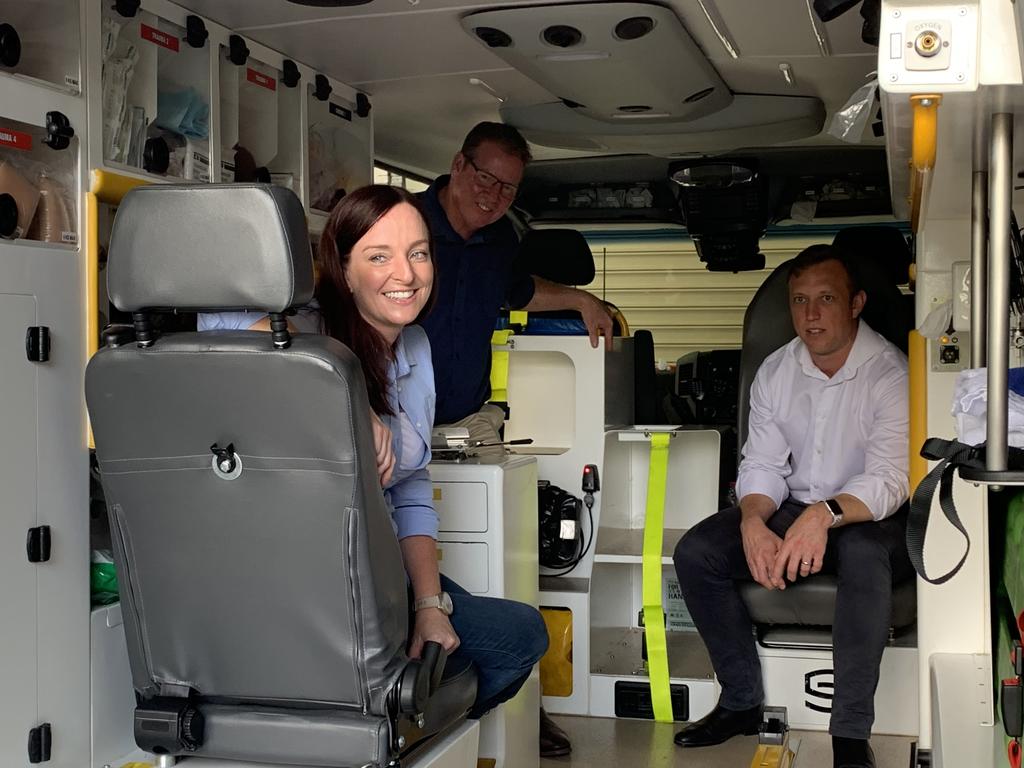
[(488, 544)]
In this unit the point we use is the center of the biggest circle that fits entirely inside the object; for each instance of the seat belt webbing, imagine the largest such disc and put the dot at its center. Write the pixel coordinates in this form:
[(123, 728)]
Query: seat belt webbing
[(654, 614)]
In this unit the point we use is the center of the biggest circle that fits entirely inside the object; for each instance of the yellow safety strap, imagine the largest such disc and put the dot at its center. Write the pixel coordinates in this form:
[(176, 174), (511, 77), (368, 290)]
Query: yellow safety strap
[(499, 365), (654, 614), (499, 357)]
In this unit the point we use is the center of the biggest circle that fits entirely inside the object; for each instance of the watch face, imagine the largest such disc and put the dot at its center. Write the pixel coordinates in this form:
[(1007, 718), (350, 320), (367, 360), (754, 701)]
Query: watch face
[(446, 603)]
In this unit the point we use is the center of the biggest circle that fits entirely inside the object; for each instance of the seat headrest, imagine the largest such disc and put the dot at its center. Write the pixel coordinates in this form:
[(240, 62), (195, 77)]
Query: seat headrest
[(885, 248), (559, 255), (199, 247)]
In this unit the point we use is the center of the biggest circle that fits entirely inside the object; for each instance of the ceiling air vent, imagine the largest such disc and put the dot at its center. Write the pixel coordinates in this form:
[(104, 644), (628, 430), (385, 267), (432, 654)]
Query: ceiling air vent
[(494, 38), (330, 3), (634, 27), (635, 109), (562, 36), (749, 120), (608, 54), (699, 95)]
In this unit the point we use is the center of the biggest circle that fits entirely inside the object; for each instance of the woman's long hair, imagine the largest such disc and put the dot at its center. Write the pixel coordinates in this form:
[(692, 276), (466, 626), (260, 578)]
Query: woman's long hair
[(350, 220)]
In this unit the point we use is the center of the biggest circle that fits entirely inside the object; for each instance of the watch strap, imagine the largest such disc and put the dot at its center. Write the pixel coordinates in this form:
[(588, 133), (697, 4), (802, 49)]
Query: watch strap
[(836, 510), (433, 601)]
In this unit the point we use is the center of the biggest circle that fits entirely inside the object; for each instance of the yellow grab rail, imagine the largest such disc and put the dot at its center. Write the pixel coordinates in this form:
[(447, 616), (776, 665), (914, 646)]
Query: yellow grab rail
[(925, 130), (110, 188), (107, 188), (917, 363)]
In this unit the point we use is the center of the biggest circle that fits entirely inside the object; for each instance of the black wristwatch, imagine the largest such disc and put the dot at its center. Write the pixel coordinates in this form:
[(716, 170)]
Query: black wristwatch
[(836, 511)]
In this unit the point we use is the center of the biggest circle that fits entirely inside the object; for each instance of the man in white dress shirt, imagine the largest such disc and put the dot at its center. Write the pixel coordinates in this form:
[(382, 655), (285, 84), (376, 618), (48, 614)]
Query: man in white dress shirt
[(823, 474)]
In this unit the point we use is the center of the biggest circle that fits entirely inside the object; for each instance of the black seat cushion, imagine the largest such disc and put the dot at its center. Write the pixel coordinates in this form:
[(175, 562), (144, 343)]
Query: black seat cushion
[(812, 602)]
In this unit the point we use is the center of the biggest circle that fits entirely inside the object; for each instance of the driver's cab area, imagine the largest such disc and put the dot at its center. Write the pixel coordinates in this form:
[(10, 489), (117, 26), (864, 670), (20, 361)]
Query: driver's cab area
[(714, 297)]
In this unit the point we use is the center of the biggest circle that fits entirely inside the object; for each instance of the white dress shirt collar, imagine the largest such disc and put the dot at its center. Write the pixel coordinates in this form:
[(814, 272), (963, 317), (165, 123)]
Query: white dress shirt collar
[(866, 346)]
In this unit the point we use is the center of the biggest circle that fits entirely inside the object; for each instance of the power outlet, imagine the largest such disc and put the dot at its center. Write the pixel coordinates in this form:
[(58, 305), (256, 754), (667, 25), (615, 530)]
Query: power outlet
[(951, 352)]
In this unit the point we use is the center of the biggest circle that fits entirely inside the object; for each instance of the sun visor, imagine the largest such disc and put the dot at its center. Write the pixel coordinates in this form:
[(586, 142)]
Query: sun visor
[(614, 63), (750, 120)]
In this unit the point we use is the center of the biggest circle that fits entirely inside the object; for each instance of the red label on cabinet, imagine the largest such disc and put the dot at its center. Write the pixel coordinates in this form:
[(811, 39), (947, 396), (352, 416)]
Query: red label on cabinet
[(154, 35), (15, 139), (264, 81)]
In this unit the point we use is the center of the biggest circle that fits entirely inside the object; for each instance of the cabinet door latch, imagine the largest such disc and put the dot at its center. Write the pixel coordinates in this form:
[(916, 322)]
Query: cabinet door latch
[(37, 343), (39, 742), (59, 131), (37, 545)]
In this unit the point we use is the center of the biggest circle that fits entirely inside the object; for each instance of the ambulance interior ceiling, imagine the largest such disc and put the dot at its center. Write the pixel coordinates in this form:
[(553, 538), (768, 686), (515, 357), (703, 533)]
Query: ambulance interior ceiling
[(717, 78)]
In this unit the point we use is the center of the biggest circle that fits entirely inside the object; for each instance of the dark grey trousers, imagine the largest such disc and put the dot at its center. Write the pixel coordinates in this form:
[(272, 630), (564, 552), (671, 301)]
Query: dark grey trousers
[(868, 559)]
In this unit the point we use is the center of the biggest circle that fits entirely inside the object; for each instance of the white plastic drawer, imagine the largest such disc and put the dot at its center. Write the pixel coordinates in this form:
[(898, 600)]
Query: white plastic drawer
[(260, 117), (49, 35), (466, 564), (461, 507), (156, 95), (38, 184), (340, 146)]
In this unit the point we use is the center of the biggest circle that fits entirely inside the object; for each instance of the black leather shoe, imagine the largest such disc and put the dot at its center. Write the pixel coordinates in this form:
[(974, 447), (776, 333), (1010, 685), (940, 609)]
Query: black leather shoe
[(720, 725), (553, 741), (852, 753)]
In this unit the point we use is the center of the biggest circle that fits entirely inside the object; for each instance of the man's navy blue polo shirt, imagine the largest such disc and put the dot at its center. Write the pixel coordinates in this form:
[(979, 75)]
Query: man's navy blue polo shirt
[(476, 278)]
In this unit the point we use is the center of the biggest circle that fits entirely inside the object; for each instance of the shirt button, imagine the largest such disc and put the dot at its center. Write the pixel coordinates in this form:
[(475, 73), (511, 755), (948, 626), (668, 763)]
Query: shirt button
[(399, 387)]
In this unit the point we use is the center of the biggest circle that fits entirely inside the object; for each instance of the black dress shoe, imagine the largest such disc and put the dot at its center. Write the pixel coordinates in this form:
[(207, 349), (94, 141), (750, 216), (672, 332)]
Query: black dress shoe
[(553, 741), (720, 725), (852, 753)]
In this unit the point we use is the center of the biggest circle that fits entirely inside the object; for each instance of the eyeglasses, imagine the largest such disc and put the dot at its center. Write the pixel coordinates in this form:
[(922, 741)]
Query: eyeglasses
[(489, 181)]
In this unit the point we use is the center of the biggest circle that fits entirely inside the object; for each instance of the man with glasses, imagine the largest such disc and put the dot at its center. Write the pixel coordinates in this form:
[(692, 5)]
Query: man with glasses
[(475, 248)]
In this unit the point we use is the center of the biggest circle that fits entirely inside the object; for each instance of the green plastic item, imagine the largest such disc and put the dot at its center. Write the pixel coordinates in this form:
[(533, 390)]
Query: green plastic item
[(102, 579), (1008, 594)]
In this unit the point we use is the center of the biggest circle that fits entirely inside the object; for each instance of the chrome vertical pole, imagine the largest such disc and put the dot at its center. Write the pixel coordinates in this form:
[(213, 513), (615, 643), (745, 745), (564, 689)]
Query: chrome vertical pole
[(1001, 201), (979, 243)]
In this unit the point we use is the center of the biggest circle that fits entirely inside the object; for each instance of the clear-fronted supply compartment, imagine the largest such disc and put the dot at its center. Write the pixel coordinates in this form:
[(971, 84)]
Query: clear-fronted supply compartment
[(156, 92), (38, 180), (340, 144), (41, 39), (260, 113)]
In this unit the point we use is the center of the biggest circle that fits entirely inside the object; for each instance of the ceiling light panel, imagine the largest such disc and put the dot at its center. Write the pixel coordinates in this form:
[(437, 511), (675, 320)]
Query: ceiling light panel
[(605, 55)]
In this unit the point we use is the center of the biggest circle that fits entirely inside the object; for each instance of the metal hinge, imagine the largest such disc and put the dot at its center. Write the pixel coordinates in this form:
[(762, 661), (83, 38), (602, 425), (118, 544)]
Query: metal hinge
[(37, 343), (39, 740), (37, 546)]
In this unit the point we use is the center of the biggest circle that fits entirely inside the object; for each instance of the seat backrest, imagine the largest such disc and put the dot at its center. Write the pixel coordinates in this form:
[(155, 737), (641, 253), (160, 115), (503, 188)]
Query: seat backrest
[(559, 255), (767, 324), (562, 256), (274, 577)]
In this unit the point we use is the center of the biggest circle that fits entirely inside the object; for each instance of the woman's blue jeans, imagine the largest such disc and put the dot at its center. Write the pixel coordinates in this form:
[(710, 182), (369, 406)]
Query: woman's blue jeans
[(502, 638)]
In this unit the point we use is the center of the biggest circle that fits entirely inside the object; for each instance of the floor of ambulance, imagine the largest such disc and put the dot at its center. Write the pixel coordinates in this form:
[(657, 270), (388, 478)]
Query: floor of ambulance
[(613, 742)]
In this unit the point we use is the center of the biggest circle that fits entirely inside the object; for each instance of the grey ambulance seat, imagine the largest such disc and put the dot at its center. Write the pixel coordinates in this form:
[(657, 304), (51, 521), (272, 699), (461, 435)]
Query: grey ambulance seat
[(766, 327), (270, 590)]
